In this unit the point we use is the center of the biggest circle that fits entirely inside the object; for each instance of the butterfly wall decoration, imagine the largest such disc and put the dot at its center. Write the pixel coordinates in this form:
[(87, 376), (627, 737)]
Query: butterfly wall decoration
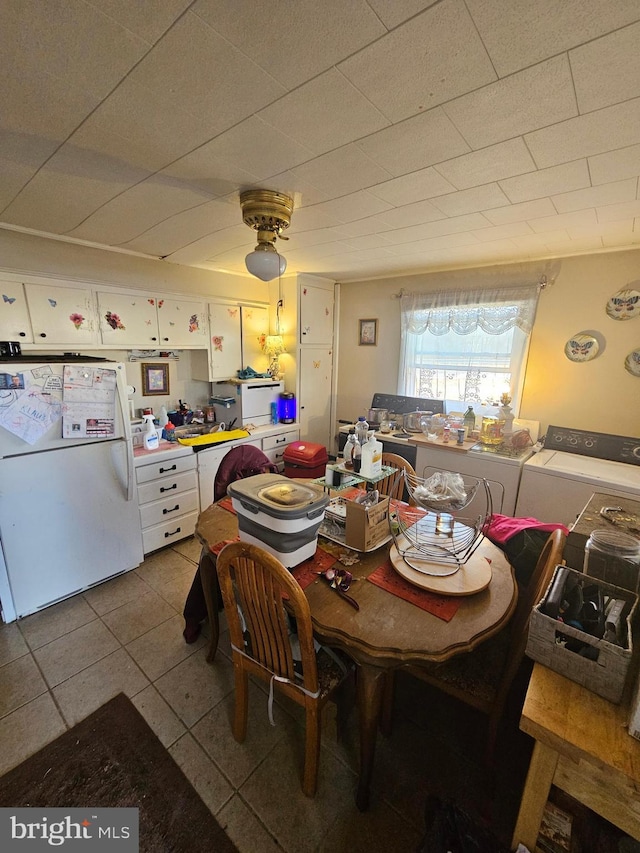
[(581, 347), (9, 299), (624, 305)]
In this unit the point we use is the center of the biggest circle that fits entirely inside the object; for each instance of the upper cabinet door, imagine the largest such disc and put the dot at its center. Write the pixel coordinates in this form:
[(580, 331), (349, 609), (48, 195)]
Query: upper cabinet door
[(14, 314), (226, 349), (255, 328), (61, 315), (316, 314), (182, 323), (128, 321)]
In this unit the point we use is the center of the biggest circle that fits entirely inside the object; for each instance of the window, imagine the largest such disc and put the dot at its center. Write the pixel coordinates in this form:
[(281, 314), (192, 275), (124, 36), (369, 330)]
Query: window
[(466, 345)]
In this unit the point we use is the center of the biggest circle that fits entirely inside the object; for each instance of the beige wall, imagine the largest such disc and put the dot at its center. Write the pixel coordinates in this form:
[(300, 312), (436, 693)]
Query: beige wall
[(598, 395)]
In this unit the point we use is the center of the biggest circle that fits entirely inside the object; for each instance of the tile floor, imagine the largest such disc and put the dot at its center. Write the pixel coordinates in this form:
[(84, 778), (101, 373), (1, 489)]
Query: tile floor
[(59, 665)]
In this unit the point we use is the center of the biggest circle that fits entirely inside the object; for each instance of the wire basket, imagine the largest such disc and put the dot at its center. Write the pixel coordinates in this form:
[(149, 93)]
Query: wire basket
[(434, 535)]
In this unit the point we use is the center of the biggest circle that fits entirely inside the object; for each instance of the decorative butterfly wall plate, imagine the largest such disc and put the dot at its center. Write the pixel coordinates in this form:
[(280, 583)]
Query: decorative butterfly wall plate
[(624, 305), (581, 348), (632, 362)]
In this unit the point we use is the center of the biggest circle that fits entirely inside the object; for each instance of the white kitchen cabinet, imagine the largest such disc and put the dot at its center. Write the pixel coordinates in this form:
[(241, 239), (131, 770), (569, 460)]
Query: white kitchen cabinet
[(274, 446), (168, 499), (223, 357), (315, 367), (254, 321), (61, 315), (55, 315), (149, 321), (316, 312), (14, 314)]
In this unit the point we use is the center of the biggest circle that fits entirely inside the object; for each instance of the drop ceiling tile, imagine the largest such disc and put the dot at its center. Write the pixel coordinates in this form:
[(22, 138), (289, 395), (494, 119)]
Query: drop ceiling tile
[(196, 71), (185, 227), (301, 191), (351, 207), (412, 214), (398, 73), (320, 250), (325, 113), (395, 12), (533, 98), (569, 176), (607, 71), (615, 165), (413, 144), (315, 237), (563, 221), (442, 242), (469, 201), (613, 212), (595, 133), (518, 33), (416, 186), (146, 18), (365, 227), (309, 37), (455, 225), (620, 191), (490, 164), (520, 212), (625, 239), (502, 232), (368, 241), (13, 177), (234, 158), (540, 242), (312, 218), (77, 44), (205, 248), (85, 180), (137, 210), (342, 171)]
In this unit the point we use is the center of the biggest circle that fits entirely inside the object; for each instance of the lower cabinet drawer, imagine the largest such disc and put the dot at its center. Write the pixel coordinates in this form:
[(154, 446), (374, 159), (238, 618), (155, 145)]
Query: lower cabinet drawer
[(169, 532), (172, 507), (276, 456), (167, 486)]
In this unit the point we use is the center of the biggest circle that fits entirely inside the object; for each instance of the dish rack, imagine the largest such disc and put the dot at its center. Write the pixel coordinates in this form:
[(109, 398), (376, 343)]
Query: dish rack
[(434, 535)]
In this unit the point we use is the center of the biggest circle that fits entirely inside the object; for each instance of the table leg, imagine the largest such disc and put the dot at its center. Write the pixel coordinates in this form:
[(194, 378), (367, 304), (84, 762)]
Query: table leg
[(370, 681), (209, 578), (536, 792)]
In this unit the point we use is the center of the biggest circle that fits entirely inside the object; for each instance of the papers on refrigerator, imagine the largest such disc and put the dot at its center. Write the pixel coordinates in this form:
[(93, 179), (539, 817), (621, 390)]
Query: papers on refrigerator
[(30, 401), (89, 402)]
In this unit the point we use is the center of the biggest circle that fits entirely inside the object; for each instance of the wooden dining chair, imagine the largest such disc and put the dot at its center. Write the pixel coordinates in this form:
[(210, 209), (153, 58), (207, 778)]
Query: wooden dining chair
[(482, 678), (254, 587), (394, 485)]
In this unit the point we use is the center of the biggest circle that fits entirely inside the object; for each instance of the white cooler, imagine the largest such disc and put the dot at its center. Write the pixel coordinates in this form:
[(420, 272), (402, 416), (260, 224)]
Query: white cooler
[(279, 515)]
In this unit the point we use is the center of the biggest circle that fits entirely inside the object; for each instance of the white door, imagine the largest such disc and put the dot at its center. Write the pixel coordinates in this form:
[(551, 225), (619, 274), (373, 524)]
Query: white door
[(128, 321), (225, 341), (182, 323), (61, 315), (316, 314), (314, 405), (65, 522), (14, 314), (255, 328)]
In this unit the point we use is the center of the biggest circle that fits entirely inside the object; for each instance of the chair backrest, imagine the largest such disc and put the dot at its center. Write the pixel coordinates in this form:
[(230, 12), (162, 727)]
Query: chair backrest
[(242, 461), (256, 581), (394, 484)]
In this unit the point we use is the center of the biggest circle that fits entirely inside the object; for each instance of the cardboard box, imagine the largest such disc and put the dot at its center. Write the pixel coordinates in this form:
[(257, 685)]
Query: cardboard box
[(367, 527)]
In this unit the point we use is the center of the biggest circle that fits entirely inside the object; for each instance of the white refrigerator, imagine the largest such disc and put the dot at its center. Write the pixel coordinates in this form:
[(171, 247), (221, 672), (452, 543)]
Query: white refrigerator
[(69, 515)]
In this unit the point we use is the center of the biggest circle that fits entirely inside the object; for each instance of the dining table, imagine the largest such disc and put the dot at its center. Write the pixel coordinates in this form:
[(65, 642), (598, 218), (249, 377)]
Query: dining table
[(387, 631)]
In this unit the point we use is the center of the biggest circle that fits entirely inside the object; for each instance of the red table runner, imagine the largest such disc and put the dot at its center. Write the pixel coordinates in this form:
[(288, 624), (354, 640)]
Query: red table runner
[(443, 606)]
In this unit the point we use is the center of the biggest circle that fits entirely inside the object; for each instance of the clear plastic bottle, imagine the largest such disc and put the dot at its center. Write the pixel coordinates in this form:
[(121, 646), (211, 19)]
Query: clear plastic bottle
[(362, 430), (347, 452), (151, 440), (371, 457), (469, 421), (356, 456)]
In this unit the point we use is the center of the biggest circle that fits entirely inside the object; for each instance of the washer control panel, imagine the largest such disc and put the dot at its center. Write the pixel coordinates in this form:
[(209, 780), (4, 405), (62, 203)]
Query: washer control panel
[(597, 445)]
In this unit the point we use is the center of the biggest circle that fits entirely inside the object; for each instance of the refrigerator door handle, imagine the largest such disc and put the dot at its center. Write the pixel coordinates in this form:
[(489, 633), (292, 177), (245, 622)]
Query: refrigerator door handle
[(130, 470), (126, 433)]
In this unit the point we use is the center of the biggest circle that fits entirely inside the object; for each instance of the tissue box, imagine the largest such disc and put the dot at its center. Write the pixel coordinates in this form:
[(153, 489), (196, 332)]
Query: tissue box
[(367, 527)]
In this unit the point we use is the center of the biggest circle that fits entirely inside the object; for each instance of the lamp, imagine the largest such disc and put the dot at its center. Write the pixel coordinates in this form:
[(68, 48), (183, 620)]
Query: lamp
[(274, 347), (269, 213)]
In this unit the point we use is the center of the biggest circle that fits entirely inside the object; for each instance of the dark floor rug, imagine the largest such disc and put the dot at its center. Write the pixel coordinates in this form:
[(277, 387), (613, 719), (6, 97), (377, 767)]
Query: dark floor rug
[(113, 759)]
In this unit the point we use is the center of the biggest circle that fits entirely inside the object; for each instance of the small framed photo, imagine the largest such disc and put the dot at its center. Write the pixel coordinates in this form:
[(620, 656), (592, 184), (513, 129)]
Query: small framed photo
[(368, 333), (155, 380)]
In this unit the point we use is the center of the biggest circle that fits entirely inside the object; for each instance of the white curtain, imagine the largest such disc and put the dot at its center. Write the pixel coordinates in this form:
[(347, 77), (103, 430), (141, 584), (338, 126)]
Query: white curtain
[(465, 344)]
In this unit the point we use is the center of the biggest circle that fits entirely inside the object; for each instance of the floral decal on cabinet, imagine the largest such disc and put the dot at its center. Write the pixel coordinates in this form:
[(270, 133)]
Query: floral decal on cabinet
[(77, 320), (194, 323), (216, 340), (114, 320)]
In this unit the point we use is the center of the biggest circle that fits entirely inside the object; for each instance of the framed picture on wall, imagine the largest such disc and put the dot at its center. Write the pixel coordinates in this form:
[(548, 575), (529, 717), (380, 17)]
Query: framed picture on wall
[(368, 333), (155, 380)]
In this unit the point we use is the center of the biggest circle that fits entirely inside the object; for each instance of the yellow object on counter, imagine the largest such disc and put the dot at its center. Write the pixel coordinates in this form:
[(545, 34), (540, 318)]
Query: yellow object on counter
[(215, 437)]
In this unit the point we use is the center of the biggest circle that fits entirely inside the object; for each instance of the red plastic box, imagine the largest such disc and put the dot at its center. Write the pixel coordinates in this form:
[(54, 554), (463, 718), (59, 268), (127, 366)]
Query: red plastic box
[(305, 459)]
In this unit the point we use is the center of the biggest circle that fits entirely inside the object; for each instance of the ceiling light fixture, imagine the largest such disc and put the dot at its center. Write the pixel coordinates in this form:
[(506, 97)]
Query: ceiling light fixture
[(269, 213)]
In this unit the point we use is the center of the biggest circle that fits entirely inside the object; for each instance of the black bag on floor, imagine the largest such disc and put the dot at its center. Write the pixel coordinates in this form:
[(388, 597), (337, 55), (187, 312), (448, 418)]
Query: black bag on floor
[(451, 830)]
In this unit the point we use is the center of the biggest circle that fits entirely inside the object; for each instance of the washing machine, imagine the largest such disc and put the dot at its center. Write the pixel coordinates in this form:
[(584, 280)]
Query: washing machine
[(558, 481)]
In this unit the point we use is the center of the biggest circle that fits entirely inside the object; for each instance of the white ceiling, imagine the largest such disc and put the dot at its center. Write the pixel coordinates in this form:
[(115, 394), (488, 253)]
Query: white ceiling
[(413, 135)]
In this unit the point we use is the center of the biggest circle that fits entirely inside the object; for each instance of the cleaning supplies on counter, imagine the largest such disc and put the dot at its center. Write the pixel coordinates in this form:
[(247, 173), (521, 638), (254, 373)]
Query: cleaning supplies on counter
[(371, 457), (362, 430), (163, 417), (151, 440)]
